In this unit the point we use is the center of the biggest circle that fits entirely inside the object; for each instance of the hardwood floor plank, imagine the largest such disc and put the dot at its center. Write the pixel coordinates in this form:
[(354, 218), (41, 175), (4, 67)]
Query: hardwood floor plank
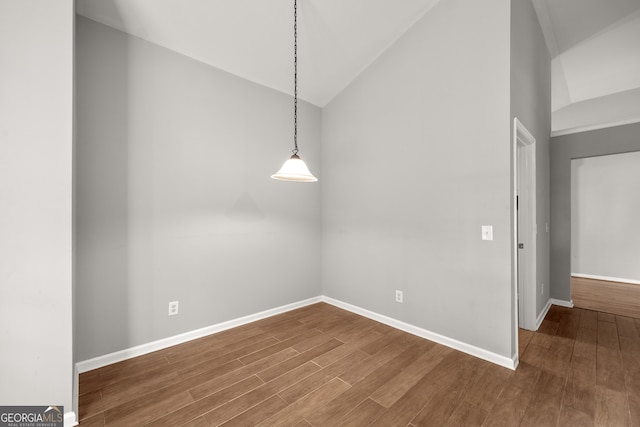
[(198, 422), (524, 337), (200, 407), (362, 415), (380, 358), (259, 412), (632, 382), (127, 367), (195, 369), (612, 408), (560, 355), (608, 335), (360, 390), (535, 355), (338, 326), (349, 347), (487, 389), (391, 391), (543, 410), (211, 386), (355, 330), (568, 324), (439, 408), (466, 415), (589, 319), (585, 344), (526, 376), (627, 327), (144, 409), (573, 417), (289, 364), (548, 326), (312, 342), (268, 351), (179, 352), (409, 405), (236, 349), (609, 369), (90, 404), (509, 408), (383, 342), (606, 317), (550, 383), (123, 391), (94, 421), (286, 329), (89, 382), (542, 340), (167, 394), (314, 381), (634, 410), (580, 388), (247, 401), (630, 345), (554, 313), (296, 412)]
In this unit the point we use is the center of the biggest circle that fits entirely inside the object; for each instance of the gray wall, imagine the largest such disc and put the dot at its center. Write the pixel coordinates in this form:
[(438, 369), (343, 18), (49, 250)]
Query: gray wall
[(36, 136), (531, 103), (619, 139), (416, 159), (174, 199), (605, 231)]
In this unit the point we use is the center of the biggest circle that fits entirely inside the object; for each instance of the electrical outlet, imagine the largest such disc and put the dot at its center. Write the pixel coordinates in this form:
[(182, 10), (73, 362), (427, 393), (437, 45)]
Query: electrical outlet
[(173, 308), (399, 296)]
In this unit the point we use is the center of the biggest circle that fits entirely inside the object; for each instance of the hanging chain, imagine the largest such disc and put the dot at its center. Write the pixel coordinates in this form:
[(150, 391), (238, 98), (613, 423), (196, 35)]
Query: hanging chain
[(295, 76)]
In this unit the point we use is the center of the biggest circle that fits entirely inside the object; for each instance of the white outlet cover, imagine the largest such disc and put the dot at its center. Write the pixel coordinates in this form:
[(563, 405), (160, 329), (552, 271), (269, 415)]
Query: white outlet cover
[(173, 308), (399, 296)]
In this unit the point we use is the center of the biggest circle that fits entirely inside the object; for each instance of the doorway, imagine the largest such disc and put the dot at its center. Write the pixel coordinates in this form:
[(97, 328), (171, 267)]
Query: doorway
[(525, 230)]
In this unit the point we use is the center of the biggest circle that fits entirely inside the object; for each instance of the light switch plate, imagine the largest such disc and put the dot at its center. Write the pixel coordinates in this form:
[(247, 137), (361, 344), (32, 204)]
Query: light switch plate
[(487, 232)]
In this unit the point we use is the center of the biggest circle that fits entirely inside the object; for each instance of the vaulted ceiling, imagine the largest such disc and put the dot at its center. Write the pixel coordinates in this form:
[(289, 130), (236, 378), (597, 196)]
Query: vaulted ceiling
[(253, 39), (595, 44), (595, 50)]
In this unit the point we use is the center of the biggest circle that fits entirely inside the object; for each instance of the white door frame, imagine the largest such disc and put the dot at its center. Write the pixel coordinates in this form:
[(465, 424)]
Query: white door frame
[(524, 157)]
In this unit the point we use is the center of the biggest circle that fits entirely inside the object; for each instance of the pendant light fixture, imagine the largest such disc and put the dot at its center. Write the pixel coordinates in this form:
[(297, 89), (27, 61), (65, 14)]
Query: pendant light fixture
[(294, 169)]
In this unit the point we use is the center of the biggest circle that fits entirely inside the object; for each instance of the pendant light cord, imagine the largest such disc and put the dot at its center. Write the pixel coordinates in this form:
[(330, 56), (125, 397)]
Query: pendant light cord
[(295, 76)]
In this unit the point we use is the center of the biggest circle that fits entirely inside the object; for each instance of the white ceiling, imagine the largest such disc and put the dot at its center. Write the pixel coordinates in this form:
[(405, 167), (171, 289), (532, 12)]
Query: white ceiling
[(253, 39), (595, 44)]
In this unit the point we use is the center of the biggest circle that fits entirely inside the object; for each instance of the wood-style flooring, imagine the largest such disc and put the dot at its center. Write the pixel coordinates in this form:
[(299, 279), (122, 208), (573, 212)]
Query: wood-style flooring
[(606, 296), (322, 366)]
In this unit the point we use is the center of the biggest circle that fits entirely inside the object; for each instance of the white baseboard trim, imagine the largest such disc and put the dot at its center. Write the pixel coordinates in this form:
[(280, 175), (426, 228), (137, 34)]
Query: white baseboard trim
[(504, 361), (606, 278), (70, 419), (542, 315), (119, 356), (552, 301), (561, 303)]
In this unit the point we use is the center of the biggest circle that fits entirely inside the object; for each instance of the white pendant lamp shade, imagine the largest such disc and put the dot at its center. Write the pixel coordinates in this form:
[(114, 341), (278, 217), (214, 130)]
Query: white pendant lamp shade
[(294, 169)]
